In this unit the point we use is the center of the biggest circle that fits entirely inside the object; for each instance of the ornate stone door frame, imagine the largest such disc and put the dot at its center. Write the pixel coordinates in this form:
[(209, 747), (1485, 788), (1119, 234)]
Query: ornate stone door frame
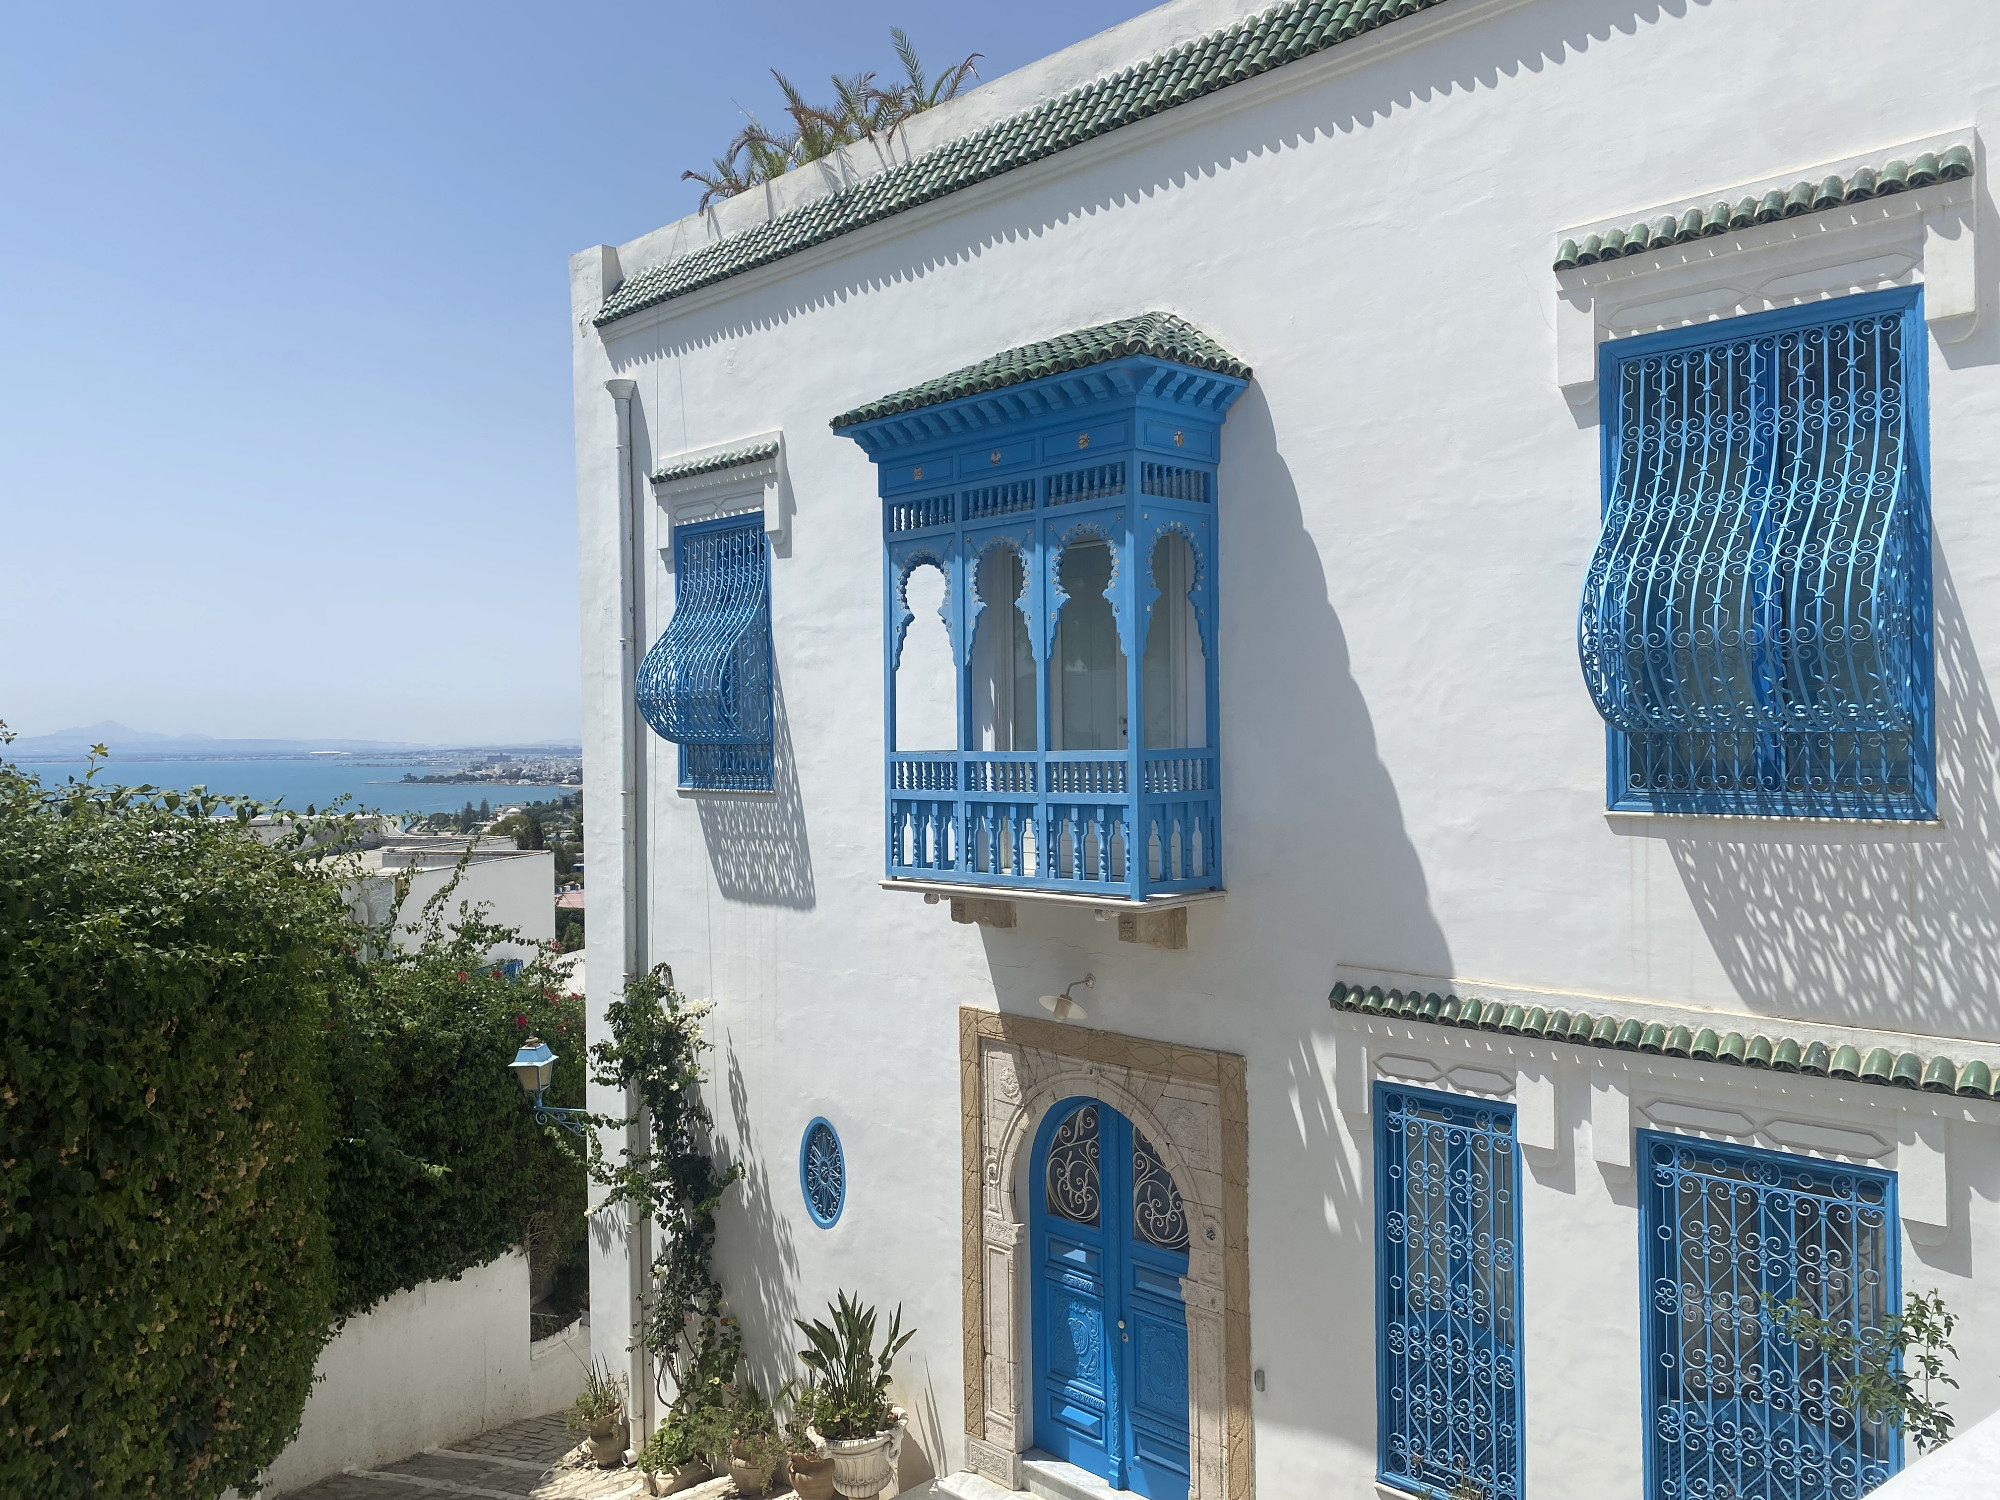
[(1192, 1105)]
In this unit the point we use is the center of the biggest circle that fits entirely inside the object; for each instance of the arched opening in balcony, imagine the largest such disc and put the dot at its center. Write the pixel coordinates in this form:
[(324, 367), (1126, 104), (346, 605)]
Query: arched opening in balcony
[(1174, 667), (1002, 682), (1087, 691), (926, 680)]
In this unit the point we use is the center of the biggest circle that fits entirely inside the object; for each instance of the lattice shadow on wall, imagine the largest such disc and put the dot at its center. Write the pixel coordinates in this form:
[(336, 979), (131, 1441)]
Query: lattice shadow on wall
[(756, 1252), (757, 843), (1863, 925)]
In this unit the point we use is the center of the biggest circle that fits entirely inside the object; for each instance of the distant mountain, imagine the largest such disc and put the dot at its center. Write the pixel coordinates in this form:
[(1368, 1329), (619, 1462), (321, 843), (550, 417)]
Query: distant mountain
[(145, 745)]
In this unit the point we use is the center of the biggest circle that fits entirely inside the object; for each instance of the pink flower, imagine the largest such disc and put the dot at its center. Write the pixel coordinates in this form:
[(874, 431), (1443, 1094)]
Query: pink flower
[(521, 1023)]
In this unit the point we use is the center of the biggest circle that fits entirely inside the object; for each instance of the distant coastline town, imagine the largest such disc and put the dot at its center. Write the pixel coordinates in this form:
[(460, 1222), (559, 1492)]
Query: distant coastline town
[(508, 770)]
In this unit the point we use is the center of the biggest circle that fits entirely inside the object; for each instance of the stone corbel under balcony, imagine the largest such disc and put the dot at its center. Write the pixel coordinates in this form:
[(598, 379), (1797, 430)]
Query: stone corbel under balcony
[(1922, 235), (1159, 921)]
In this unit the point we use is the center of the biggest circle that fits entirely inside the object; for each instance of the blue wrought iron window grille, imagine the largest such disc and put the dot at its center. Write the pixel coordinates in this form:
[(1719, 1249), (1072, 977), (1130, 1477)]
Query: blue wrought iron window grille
[(1073, 520), (1756, 622), (822, 1173), (1448, 1352), (706, 684), (1732, 1407)]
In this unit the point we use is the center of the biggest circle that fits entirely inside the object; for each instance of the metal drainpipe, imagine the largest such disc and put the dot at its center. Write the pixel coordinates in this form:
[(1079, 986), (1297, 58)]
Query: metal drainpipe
[(639, 1237)]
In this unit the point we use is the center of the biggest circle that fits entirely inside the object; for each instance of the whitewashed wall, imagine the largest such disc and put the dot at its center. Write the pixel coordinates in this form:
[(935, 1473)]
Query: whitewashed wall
[(1412, 771), (515, 886), (428, 1368)]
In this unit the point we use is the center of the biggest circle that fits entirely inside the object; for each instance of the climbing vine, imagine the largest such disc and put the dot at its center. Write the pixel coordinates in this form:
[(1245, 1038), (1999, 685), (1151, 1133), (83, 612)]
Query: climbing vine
[(654, 1051)]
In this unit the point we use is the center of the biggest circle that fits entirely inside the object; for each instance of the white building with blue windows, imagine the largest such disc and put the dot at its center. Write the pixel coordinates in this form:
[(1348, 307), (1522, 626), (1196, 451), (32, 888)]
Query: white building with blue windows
[(1314, 686)]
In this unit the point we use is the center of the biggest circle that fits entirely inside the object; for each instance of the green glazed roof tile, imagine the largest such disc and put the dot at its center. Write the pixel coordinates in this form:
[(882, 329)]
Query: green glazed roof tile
[(1939, 1074), (716, 461), (1161, 335), (1857, 186), (1251, 46)]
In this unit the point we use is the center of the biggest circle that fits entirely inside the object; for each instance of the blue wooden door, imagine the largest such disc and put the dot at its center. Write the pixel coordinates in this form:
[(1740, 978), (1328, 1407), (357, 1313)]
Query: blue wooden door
[(1108, 1239)]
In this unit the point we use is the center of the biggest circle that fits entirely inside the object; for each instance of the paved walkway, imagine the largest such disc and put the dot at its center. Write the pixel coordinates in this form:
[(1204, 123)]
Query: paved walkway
[(532, 1460)]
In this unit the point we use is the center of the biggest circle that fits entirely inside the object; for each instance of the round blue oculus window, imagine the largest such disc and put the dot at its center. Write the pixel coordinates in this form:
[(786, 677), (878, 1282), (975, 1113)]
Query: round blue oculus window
[(822, 1173)]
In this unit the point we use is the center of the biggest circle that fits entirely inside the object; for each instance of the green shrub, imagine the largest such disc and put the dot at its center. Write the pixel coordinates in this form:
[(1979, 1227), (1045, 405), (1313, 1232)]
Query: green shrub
[(223, 1128), (164, 1263), (438, 1164)]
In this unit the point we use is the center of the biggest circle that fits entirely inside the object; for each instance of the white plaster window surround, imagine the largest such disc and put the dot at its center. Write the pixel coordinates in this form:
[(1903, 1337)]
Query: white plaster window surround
[(1907, 1132), (762, 483), (1924, 235), (1527, 1081)]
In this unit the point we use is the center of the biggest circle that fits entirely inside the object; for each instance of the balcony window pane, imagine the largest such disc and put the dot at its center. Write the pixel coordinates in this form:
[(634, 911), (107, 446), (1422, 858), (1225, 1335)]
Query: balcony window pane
[(1174, 669), (1003, 665), (1087, 687)]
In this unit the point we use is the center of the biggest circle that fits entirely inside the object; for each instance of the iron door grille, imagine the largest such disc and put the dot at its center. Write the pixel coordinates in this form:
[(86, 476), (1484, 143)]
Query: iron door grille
[(1755, 624), (1447, 1203), (706, 684), (1733, 1410)]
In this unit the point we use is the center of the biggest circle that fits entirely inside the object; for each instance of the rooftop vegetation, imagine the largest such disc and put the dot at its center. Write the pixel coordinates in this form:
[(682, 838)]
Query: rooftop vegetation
[(861, 107)]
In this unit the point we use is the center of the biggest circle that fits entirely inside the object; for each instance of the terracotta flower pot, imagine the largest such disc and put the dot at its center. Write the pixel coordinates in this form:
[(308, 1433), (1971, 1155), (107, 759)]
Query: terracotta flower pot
[(748, 1476), (812, 1475), (673, 1481), (609, 1436)]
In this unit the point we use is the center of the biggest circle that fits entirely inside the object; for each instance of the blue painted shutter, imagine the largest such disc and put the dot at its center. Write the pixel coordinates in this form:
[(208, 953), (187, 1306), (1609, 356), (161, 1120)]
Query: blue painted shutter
[(706, 684), (1447, 1203), (1755, 622), (1731, 1407)]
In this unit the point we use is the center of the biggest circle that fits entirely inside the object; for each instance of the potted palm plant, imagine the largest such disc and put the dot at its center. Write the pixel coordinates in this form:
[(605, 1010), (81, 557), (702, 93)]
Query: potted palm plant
[(810, 1466), (599, 1412), (852, 1410)]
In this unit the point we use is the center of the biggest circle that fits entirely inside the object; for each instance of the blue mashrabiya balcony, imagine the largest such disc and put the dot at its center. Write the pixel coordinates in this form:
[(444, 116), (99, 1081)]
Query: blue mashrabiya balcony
[(1049, 525)]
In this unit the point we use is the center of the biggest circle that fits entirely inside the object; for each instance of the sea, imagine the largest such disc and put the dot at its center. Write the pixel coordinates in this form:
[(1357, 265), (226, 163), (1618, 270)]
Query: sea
[(317, 781)]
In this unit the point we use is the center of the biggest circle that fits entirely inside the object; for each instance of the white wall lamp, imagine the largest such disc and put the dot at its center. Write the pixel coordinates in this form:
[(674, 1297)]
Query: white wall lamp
[(1066, 1007), (534, 1065)]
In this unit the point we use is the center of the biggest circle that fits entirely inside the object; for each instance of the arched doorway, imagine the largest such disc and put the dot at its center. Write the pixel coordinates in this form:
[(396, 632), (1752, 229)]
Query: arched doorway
[(1108, 1248)]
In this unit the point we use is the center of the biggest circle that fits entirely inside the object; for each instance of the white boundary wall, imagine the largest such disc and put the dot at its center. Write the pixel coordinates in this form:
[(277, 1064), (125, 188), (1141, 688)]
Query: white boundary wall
[(427, 1368)]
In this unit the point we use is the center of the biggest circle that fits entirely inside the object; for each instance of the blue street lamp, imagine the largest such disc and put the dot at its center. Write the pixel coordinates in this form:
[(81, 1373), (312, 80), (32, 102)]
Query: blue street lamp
[(535, 1065)]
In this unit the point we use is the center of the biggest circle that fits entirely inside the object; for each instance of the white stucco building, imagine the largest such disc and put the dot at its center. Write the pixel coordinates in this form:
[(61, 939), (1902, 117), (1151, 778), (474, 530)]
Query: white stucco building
[(510, 887), (1133, 524)]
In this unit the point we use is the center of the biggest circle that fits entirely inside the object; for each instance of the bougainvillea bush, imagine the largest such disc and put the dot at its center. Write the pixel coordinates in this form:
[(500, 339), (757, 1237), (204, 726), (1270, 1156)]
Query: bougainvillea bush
[(230, 1118)]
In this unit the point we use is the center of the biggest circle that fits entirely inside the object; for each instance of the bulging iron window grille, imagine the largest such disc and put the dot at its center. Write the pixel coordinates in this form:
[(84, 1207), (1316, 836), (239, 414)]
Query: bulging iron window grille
[(1050, 633), (706, 684), (822, 1173), (1448, 1208), (1732, 1407), (1755, 627)]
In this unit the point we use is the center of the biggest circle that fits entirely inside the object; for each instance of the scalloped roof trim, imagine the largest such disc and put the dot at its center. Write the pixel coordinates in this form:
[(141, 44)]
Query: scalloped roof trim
[(1804, 197), (1780, 1054), (1159, 334), (1242, 50), (735, 458)]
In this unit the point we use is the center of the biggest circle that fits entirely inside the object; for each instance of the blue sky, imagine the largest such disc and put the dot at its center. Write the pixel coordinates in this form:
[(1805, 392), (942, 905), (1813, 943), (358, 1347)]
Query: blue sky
[(284, 373)]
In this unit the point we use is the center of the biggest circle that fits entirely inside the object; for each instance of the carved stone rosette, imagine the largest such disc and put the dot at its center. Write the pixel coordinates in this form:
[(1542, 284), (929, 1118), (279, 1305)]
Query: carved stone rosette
[(1191, 1105)]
